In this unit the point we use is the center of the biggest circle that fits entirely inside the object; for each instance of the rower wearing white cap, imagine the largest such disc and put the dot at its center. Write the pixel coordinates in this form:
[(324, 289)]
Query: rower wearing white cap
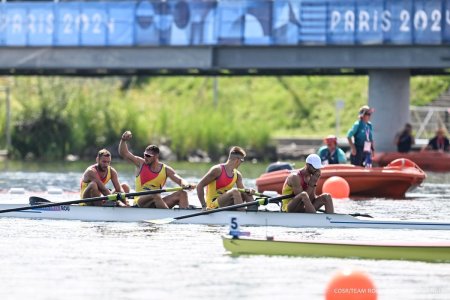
[(302, 184)]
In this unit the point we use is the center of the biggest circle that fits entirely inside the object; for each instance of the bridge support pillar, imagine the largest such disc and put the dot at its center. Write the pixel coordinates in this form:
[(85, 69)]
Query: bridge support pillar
[(389, 95)]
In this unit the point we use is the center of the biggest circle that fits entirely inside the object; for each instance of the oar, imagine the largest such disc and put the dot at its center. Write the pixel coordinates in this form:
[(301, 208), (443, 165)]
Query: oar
[(353, 214), (261, 201), (254, 193), (321, 210), (34, 200), (112, 197)]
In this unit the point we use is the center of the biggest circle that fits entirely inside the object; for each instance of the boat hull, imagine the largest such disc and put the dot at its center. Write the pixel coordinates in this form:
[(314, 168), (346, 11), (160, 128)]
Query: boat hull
[(427, 160), (418, 252), (260, 218), (387, 182)]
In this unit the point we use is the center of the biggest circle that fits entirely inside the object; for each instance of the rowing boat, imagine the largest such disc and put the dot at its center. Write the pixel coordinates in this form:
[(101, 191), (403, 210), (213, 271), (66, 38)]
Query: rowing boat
[(430, 252), (259, 218)]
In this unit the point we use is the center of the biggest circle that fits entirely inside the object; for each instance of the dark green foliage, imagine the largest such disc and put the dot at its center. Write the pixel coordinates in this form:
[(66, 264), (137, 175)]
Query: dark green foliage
[(44, 137)]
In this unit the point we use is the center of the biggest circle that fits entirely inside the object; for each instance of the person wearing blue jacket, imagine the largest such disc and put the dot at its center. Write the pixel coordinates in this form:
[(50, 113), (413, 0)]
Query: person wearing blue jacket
[(360, 139), (331, 153)]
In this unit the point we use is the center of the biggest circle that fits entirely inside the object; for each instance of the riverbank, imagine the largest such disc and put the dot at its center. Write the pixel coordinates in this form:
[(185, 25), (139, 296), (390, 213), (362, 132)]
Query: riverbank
[(56, 117)]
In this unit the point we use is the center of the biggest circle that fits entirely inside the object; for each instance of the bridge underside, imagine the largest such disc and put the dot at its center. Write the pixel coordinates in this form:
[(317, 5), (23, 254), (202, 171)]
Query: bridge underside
[(224, 60)]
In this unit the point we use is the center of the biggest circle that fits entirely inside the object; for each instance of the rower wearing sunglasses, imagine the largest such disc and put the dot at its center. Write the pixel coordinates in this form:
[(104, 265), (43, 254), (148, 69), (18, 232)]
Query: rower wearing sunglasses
[(94, 180), (151, 174)]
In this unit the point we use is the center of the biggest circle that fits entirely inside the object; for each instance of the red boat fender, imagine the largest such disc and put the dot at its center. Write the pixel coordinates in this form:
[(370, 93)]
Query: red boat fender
[(402, 163)]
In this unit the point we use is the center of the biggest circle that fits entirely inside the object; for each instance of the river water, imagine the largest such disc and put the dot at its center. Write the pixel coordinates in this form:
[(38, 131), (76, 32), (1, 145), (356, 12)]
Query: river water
[(50, 259)]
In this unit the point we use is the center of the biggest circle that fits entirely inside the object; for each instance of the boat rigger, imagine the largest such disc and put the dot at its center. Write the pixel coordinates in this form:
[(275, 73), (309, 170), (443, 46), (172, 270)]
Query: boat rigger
[(249, 218)]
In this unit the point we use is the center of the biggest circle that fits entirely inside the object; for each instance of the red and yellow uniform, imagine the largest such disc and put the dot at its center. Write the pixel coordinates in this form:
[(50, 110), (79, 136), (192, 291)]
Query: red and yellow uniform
[(149, 180), (221, 185), (105, 180), (287, 190)]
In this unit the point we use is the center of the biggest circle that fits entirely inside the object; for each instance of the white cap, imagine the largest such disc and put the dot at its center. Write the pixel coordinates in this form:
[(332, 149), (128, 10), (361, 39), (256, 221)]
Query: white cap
[(314, 160)]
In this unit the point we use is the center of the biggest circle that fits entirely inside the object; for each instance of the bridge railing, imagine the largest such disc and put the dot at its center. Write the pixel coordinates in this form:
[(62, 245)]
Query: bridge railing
[(426, 120)]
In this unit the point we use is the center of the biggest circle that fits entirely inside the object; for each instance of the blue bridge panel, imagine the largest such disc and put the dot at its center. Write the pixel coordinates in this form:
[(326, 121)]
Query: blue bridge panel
[(285, 22), (396, 22), (120, 25), (341, 28), (230, 22), (93, 24), (41, 22), (67, 25), (427, 21), (226, 22), (16, 30), (446, 22), (368, 23)]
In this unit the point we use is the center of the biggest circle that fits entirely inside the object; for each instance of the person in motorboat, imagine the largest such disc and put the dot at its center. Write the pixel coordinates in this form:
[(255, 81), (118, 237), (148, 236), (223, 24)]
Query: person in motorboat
[(94, 180), (222, 183), (439, 142), (405, 139), (331, 153), (302, 184), (151, 174), (360, 139)]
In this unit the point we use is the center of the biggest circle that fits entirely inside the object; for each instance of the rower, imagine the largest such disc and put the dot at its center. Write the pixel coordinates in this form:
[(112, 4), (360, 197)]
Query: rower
[(220, 180), (151, 174), (94, 180), (302, 184)]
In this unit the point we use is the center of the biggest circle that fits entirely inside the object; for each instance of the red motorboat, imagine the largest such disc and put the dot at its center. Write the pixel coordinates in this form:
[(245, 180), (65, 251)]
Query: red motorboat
[(392, 181), (433, 161)]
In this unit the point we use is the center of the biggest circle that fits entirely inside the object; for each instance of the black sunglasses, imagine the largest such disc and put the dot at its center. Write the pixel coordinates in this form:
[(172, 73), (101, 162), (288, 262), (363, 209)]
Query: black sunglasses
[(367, 114), (148, 155)]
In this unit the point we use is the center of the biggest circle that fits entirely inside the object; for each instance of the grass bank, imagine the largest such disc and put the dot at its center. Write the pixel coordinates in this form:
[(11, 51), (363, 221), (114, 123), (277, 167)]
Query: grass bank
[(56, 116)]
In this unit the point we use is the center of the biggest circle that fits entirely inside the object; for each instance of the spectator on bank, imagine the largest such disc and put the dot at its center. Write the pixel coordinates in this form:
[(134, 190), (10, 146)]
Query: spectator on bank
[(439, 142), (360, 139), (331, 153), (405, 139)]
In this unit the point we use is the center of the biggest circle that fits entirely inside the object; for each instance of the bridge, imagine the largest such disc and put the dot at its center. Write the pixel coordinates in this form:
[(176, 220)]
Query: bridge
[(389, 40)]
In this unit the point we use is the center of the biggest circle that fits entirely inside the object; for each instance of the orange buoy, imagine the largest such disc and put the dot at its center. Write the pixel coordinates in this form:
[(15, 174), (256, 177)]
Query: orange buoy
[(349, 285), (337, 187)]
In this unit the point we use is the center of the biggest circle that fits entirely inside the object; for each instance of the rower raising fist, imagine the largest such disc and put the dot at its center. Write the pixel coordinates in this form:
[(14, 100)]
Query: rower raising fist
[(127, 135)]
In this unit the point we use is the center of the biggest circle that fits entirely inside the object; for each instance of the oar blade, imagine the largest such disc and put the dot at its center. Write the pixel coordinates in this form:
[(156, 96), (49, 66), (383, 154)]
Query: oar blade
[(160, 221), (34, 200), (361, 215)]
